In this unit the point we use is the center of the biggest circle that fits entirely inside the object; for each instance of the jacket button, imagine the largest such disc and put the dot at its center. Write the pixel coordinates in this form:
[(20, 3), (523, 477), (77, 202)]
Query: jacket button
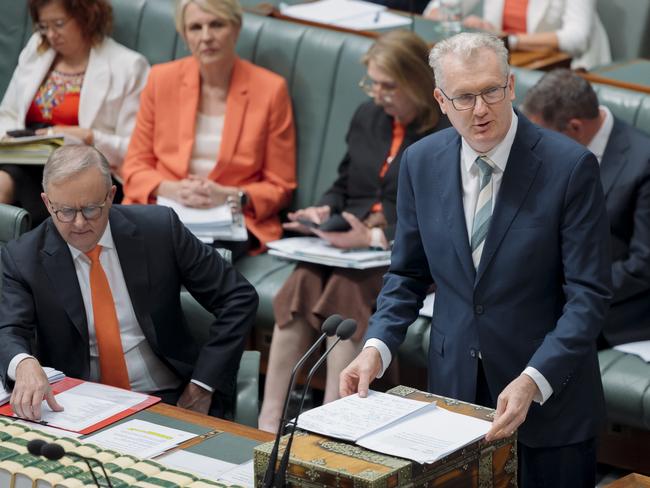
[(478, 309)]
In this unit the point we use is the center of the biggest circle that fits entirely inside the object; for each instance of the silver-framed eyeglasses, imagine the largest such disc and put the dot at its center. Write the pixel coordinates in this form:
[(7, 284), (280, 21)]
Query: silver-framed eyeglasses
[(467, 101), (66, 215), (56, 25), (370, 87)]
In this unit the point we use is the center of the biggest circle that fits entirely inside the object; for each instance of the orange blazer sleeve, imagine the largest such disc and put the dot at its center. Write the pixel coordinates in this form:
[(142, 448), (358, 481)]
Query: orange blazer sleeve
[(273, 191)]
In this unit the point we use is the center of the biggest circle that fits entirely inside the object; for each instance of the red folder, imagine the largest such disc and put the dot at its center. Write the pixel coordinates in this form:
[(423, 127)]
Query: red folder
[(66, 384)]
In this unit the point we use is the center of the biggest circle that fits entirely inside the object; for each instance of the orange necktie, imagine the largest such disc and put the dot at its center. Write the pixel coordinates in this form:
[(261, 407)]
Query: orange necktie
[(112, 365)]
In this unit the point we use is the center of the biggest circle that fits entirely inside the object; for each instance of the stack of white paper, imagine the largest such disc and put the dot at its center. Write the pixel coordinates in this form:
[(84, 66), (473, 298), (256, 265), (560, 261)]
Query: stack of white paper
[(53, 375), (350, 14), (209, 223), (397, 426), (641, 349), (319, 251)]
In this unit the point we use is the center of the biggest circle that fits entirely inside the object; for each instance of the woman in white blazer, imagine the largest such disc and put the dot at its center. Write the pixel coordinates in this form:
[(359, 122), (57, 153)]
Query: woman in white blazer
[(70, 65), (571, 26)]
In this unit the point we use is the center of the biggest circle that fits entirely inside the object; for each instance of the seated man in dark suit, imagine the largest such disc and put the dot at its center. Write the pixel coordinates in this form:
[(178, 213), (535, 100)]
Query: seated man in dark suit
[(94, 291), (565, 102)]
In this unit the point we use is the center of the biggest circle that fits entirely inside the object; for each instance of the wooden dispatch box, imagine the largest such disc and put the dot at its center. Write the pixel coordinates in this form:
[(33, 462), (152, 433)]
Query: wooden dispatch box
[(318, 461)]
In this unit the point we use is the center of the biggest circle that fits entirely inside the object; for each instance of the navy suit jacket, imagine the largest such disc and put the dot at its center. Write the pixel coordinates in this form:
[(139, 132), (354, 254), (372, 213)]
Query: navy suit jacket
[(42, 311), (540, 294), (625, 175)]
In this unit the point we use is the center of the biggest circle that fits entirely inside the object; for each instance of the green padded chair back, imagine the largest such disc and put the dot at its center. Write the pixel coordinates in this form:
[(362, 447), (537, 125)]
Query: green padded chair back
[(15, 29), (626, 23), (14, 221)]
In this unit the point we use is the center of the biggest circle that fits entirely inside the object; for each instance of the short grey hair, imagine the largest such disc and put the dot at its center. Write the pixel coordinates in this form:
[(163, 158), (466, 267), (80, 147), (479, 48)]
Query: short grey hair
[(68, 161), (559, 96), (467, 45)]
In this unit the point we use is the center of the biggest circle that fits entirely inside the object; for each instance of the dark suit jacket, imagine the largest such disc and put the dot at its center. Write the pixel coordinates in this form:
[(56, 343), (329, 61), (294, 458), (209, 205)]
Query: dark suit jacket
[(625, 174), (358, 185), (541, 291), (42, 304)]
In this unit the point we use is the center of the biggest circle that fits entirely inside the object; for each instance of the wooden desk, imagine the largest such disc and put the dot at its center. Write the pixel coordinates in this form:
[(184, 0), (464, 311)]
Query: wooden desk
[(210, 422), (542, 60), (633, 480), (619, 74)]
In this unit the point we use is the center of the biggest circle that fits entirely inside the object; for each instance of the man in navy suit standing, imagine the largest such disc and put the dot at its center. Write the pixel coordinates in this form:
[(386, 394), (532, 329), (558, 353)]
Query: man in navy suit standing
[(509, 221), (566, 102)]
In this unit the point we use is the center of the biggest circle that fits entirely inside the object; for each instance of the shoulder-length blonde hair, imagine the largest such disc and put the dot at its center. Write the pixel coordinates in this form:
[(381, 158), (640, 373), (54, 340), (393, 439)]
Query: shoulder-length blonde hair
[(403, 56), (230, 10)]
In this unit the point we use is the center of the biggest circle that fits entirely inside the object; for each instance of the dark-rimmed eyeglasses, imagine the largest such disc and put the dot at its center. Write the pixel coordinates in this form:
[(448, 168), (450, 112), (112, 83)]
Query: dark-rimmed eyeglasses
[(56, 25), (467, 101), (66, 215), (370, 87)]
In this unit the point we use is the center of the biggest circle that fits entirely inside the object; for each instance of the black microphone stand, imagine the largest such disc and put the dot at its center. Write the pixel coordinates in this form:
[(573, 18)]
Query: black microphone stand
[(329, 327), (344, 331)]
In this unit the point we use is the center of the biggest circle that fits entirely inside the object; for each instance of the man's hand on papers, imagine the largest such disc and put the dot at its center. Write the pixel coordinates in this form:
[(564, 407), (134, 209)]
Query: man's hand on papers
[(195, 398), (360, 373), (358, 236), (512, 407), (31, 388), (318, 215)]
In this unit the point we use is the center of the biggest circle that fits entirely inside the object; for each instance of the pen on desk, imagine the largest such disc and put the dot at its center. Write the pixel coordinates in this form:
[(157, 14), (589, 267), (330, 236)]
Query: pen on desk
[(376, 19)]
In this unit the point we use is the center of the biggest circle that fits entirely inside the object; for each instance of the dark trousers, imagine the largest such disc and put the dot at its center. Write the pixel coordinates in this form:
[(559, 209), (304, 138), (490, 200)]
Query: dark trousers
[(572, 466)]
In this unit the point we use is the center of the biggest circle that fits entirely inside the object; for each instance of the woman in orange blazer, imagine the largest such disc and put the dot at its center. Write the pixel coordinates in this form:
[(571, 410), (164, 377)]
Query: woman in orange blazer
[(212, 126)]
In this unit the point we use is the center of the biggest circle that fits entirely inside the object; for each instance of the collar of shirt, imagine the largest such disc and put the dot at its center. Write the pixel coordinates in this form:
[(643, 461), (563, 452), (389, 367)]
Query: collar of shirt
[(598, 143), (105, 241), (498, 154)]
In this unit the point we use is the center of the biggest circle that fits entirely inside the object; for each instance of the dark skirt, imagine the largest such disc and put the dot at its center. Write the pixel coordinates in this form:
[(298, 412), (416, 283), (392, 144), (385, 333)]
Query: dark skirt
[(27, 189), (314, 292)]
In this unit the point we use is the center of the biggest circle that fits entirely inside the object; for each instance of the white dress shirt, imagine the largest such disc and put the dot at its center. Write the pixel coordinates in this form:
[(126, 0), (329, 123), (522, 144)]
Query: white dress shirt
[(147, 373), (599, 142), (470, 178)]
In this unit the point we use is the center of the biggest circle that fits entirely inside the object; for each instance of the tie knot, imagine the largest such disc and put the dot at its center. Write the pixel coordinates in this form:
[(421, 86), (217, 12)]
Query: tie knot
[(93, 254), (485, 165)]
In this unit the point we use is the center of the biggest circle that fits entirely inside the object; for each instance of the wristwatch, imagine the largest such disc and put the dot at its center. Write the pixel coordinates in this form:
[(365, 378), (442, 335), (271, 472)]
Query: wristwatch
[(243, 198), (513, 40)]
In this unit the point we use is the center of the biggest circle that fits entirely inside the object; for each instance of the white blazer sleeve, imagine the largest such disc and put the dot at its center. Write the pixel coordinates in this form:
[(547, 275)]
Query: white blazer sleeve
[(131, 78), (577, 24)]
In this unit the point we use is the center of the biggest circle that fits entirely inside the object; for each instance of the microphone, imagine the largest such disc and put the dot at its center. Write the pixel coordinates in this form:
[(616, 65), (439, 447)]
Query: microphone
[(329, 328), (343, 332), (54, 452)]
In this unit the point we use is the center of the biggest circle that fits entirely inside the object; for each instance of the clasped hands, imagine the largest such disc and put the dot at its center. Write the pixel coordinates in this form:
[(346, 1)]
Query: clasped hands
[(512, 403), (197, 192), (357, 237)]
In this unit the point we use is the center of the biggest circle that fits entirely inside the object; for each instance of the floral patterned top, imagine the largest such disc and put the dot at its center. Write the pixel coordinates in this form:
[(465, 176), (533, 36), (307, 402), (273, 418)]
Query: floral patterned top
[(57, 100)]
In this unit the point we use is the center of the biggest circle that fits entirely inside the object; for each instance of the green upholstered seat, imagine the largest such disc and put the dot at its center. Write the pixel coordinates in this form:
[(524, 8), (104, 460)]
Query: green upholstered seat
[(626, 381)]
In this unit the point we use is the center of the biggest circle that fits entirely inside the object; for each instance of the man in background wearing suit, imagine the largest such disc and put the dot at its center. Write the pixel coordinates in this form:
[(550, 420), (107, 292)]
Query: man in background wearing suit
[(508, 220), (94, 291), (565, 102)]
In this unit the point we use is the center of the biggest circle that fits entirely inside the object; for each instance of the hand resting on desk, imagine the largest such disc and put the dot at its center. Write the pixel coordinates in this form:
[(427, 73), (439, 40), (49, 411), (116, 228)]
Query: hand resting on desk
[(31, 388)]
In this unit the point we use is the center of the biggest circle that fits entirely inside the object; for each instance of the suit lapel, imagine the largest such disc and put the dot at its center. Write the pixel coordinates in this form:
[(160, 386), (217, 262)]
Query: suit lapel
[(188, 103), (535, 12), (614, 157), (236, 105), (37, 71), (450, 189), (130, 248), (518, 177), (61, 273), (94, 89)]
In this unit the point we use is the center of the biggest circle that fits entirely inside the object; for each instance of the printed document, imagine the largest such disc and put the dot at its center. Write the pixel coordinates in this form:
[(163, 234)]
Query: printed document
[(88, 404), (427, 435), (140, 438)]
